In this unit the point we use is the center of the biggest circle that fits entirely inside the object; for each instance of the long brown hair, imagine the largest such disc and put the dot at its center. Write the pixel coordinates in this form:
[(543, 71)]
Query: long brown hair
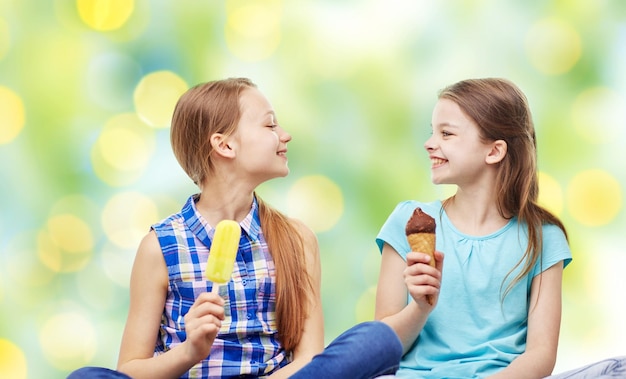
[(293, 284), (214, 107), (501, 112)]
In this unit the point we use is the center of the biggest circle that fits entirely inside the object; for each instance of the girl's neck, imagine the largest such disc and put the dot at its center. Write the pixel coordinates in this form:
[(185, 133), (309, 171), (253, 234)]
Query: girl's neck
[(474, 214), (219, 201)]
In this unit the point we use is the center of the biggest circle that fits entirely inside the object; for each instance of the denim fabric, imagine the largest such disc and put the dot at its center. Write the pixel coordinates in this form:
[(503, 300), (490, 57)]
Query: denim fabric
[(97, 373), (367, 350), (611, 368), (605, 369)]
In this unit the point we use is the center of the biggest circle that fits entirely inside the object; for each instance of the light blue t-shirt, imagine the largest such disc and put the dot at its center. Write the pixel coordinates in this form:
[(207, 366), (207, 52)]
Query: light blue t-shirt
[(471, 333)]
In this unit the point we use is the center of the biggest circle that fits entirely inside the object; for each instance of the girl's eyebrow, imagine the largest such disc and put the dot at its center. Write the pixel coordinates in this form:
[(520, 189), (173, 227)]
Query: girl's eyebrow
[(446, 124), (272, 117)]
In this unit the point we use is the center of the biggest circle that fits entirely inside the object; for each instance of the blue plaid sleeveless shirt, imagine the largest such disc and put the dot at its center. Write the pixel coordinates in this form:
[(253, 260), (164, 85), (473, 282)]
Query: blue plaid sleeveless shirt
[(247, 344)]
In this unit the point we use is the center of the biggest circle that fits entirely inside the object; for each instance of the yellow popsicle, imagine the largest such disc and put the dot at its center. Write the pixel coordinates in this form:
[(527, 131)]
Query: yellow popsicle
[(223, 251)]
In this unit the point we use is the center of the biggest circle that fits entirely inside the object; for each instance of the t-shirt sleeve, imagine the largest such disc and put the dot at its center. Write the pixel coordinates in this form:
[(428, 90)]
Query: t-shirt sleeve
[(555, 249), (393, 230)]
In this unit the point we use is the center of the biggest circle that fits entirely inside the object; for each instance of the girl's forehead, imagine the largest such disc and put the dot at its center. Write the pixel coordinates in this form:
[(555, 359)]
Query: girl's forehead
[(255, 104), (447, 110)]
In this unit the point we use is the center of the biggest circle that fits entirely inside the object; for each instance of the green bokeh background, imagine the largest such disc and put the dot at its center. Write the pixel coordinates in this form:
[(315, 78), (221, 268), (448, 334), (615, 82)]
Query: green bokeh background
[(354, 82)]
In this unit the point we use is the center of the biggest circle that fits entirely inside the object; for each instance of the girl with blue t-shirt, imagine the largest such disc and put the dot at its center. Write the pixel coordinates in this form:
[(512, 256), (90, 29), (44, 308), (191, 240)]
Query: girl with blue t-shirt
[(497, 294)]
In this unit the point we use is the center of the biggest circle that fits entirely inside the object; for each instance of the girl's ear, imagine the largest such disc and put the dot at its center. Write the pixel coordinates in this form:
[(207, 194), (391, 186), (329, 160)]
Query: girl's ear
[(219, 142), (497, 153)]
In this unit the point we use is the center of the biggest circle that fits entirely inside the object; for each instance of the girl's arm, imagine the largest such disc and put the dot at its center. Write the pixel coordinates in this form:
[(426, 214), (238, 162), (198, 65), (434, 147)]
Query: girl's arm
[(544, 321), (399, 278), (148, 291), (312, 341)]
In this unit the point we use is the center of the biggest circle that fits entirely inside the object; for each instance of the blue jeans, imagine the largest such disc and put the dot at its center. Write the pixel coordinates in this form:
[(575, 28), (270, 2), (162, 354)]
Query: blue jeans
[(365, 351), (608, 368)]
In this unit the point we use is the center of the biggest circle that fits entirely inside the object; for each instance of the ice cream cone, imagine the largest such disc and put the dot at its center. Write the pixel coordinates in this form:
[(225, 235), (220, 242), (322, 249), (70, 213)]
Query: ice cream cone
[(424, 243), (420, 233)]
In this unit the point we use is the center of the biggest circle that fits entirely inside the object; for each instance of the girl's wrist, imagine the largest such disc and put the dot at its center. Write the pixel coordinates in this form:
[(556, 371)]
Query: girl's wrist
[(189, 354)]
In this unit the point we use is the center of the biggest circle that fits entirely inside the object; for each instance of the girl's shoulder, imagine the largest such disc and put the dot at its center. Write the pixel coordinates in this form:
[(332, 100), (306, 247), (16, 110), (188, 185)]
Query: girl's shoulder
[(407, 207), (167, 222)]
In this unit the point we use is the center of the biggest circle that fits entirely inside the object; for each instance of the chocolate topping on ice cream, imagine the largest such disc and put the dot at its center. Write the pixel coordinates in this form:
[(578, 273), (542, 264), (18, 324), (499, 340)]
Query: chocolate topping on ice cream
[(420, 222)]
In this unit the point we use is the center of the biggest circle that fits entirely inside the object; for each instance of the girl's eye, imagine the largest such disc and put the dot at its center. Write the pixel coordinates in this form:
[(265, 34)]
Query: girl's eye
[(445, 134)]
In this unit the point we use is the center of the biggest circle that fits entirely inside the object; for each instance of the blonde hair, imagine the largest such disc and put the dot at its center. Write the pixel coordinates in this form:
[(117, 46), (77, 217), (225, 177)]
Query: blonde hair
[(501, 112), (214, 107)]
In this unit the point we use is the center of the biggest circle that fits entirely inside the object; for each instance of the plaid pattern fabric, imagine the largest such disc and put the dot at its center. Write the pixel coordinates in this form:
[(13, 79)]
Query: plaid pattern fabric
[(247, 344)]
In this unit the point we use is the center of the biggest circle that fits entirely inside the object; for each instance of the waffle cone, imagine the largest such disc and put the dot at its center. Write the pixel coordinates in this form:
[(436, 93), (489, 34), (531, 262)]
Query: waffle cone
[(424, 243)]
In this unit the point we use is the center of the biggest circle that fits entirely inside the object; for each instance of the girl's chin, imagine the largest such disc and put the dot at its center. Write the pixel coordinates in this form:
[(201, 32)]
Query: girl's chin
[(282, 173), (439, 181)]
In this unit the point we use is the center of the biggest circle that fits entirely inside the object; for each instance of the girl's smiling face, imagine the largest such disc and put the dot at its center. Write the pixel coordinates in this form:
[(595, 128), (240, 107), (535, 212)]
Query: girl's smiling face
[(456, 150), (260, 142)]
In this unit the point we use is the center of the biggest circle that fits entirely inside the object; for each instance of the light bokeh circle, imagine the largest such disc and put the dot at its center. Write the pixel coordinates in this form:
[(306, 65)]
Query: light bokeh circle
[(553, 46), (12, 361), (96, 290), (126, 218), (366, 305), (24, 269), (68, 340), (117, 263), (123, 149), (550, 193), (594, 197), (126, 143), (70, 233), (67, 241), (66, 244), (317, 201), (12, 115), (105, 15), (156, 95), (253, 31), (598, 115)]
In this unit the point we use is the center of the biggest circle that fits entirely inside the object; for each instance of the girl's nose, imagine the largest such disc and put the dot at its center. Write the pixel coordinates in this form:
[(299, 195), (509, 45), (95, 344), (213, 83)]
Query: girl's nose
[(429, 145), (284, 136)]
